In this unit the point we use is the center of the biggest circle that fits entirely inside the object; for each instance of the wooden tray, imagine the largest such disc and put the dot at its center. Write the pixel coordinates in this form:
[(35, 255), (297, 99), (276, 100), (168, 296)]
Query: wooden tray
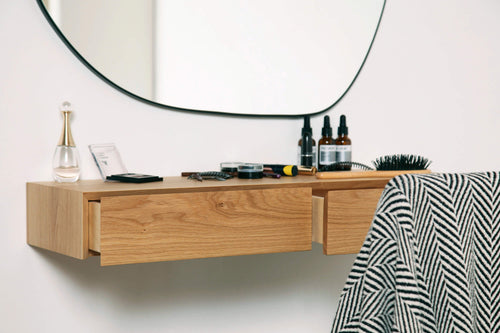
[(364, 174)]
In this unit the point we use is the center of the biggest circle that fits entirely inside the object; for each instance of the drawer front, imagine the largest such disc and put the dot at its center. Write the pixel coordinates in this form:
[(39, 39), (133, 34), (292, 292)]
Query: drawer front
[(348, 217), (158, 227)]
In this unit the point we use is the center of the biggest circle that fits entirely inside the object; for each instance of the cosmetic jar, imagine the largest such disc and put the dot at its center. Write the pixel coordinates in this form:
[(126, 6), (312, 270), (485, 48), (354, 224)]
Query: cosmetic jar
[(250, 171)]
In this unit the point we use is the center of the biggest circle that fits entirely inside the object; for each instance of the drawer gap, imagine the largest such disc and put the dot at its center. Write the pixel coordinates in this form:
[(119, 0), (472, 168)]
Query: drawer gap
[(318, 212), (95, 227)]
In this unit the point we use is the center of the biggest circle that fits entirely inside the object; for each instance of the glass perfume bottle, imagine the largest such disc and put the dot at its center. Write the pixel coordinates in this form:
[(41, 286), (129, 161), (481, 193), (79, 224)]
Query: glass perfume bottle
[(66, 162)]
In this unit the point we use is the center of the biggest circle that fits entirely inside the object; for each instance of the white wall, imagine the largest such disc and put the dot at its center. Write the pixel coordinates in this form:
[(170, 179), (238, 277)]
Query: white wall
[(430, 87), (129, 58)]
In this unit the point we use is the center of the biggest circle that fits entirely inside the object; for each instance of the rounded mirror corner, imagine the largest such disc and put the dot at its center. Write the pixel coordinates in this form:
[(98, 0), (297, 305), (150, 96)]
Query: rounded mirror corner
[(264, 69)]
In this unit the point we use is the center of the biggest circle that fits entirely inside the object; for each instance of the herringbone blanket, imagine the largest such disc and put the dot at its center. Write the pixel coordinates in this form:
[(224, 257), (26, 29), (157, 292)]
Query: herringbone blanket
[(431, 260)]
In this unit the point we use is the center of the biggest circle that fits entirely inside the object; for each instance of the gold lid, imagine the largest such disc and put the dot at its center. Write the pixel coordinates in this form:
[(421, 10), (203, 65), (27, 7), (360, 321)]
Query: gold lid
[(66, 138)]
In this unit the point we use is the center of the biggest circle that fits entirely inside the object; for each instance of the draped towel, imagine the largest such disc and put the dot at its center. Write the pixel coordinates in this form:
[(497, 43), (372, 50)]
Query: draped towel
[(430, 262)]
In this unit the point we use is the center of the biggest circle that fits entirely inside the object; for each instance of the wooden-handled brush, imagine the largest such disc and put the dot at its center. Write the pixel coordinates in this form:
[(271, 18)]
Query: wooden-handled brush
[(385, 166)]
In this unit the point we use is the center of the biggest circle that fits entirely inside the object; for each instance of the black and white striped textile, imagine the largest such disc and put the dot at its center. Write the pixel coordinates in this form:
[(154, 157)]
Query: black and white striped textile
[(431, 260)]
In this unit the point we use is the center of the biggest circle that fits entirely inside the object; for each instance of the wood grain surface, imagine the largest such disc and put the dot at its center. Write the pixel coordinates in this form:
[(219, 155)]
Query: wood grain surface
[(237, 216), (348, 216), (158, 227), (56, 220), (97, 189)]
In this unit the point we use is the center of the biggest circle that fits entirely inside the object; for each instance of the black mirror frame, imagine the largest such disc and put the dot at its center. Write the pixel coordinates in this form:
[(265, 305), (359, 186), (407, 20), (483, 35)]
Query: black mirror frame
[(174, 108)]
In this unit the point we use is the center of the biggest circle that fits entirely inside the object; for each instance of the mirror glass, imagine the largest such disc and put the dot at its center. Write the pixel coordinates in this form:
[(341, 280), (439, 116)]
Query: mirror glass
[(258, 57)]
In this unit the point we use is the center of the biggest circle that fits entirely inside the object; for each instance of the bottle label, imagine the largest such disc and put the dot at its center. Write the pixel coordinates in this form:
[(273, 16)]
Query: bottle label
[(343, 153), (327, 154)]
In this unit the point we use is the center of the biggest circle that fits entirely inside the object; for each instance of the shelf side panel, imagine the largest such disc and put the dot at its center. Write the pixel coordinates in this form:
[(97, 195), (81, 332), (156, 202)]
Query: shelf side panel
[(55, 220)]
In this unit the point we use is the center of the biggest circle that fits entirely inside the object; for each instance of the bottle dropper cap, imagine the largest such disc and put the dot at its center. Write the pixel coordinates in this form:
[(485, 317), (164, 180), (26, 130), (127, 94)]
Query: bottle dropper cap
[(327, 129), (307, 125), (343, 129)]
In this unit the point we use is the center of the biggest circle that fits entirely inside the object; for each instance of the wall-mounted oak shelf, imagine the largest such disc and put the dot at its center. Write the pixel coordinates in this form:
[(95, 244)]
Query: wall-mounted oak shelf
[(185, 219)]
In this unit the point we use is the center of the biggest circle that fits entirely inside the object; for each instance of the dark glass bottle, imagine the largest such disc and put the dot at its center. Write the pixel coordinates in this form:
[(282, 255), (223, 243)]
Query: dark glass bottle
[(326, 145), (306, 129), (306, 155), (343, 151)]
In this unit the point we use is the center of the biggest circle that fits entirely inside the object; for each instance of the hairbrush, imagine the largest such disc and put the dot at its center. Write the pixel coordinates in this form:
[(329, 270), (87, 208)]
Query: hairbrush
[(385, 166), (401, 162)]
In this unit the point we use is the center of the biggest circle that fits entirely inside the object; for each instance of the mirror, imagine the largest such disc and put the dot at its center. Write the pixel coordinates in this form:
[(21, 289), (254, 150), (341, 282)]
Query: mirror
[(257, 57)]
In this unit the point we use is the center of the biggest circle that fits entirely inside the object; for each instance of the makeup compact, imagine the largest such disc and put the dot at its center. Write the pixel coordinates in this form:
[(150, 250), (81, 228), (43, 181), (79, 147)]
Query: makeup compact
[(250, 171), (134, 178)]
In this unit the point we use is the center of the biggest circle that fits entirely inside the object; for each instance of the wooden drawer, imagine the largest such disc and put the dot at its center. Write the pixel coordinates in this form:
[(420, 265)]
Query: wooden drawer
[(342, 219), (183, 219), (174, 226)]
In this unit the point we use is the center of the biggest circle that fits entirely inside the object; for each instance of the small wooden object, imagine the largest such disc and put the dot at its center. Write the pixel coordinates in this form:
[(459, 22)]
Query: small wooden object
[(365, 174)]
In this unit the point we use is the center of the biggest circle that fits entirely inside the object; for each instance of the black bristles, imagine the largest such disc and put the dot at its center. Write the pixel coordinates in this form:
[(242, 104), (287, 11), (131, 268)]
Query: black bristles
[(341, 166), (401, 162)]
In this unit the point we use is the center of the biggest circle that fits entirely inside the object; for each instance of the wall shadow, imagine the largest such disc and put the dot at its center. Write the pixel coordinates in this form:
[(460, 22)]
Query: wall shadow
[(215, 280)]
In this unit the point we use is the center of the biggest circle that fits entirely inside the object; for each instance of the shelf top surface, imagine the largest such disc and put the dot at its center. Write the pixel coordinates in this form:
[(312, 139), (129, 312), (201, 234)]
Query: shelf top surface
[(94, 189)]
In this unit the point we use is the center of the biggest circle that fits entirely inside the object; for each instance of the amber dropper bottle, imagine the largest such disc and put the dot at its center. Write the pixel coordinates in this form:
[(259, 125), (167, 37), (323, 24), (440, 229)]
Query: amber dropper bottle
[(326, 145), (343, 148)]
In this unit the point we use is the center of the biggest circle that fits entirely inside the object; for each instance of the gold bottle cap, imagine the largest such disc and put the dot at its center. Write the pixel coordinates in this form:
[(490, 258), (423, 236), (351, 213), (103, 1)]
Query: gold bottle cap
[(66, 138), (306, 170)]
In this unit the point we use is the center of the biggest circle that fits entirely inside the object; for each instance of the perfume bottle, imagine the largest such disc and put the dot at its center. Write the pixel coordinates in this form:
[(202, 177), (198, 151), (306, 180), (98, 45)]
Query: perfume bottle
[(66, 162)]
